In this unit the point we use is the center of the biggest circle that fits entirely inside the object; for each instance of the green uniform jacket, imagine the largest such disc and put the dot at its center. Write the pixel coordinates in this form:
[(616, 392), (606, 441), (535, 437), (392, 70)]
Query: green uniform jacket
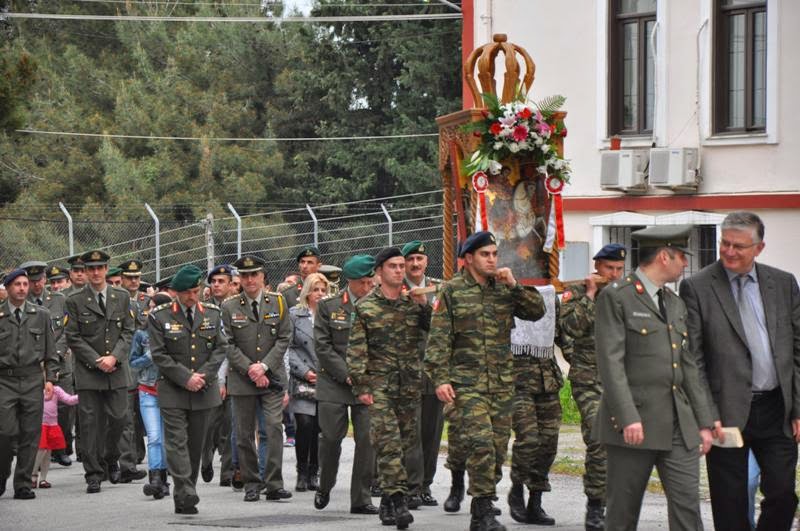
[(180, 350), (576, 320), (427, 385), (332, 326), (469, 344), (29, 344), (90, 335), (292, 294), (646, 368), (265, 340), (56, 304), (384, 349)]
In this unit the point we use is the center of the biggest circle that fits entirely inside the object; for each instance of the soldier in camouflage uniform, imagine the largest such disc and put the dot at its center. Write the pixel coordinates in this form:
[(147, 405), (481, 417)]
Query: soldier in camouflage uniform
[(456, 460), (383, 361), (468, 358), (577, 324), (536, 421)]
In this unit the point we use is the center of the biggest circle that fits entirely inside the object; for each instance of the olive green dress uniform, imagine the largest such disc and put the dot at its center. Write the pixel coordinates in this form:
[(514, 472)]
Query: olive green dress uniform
[(649, 376), (103, 404), (179, 349), (383, 360), (469, 347), (264, 339), (292, 294), (421, 460), (332, 326), (24, 348)]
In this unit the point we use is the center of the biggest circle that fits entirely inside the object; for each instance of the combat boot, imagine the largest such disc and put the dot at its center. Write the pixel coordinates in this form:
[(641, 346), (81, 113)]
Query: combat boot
[(402, 516), (595, 515), (516, 503), (153, 487), (386, 511), (453, 502), (164, 483), (482, 518), (536, 514)]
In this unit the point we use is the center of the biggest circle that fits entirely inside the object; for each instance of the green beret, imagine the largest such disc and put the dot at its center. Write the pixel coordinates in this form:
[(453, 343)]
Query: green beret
[(359, 266), (187, 277), (308, 251), (114, 271), (415, 247), (674, 236)]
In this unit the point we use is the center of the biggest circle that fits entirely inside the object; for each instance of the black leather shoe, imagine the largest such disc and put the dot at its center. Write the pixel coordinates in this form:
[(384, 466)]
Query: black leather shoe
[(236, 482), (208, 473), (128, 476), (24, 493), (364, 509), (413, 501), (63, 460), (92, 486), (226, 482), (252, 495), (187, 506), (280, 494), (114, 475), (321, 499), (428, 500)]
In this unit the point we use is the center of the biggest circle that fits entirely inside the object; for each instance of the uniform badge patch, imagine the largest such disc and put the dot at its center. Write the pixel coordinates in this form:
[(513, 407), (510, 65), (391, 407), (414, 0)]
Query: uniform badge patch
[(639, 287)]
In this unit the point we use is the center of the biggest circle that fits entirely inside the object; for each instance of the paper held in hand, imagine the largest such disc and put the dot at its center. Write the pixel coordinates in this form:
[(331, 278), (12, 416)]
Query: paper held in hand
[(733, 438)]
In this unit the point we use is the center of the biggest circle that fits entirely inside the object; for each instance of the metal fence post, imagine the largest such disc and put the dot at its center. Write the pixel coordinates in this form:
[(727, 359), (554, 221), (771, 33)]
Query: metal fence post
[(238, 230), (158, 240), (209, 223), (69, 224), (389, 221), (316, 225)]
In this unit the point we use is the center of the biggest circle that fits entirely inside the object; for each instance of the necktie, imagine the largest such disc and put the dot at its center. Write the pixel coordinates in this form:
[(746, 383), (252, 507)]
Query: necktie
[(189, 317), (101, 303), (255, 310), (18, 315), (39, 302), (661, 306)]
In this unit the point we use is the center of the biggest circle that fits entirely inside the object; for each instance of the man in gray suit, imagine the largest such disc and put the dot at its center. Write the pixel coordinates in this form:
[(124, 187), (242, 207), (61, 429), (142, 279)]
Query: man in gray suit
[(654, 409), (744, 328)]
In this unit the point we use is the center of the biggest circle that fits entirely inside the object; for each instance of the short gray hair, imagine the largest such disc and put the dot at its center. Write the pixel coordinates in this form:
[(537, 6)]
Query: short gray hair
[(743, 220)]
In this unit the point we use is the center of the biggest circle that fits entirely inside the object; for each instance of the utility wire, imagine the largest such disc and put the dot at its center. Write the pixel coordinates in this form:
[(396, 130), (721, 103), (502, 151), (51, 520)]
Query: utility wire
[(140, 18), (245, 4), (226, 139)]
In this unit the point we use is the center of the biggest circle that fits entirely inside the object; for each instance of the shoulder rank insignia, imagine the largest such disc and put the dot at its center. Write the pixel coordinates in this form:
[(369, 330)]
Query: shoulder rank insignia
[(639, 287)]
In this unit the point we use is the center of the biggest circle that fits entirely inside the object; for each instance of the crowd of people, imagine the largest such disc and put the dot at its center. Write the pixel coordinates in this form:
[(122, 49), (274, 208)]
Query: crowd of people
[(200, 363)]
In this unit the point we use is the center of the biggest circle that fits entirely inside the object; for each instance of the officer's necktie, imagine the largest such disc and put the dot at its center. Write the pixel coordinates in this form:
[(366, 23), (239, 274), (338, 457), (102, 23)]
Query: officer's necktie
[(661, 307), (101, 303), (255, 310), (189, 317), (18, 315), (39, 302)]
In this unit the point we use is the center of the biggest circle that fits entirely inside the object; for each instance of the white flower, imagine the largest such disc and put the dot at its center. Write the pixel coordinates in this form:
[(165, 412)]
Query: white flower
[(513, 147), (538, 141), (545, 148), (508, 120), (542, 169), (495, 167), (498, 145)]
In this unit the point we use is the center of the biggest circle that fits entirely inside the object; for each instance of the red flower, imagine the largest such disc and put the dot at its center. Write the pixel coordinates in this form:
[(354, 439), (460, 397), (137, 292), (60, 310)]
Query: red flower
[(485, 113), (564, 132), (520, 133), (477, 134), (525, 114), (495, 128)]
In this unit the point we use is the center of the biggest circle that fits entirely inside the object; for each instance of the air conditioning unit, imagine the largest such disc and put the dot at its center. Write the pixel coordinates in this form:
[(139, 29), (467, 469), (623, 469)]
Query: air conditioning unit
[(623, 170), (674, 168)]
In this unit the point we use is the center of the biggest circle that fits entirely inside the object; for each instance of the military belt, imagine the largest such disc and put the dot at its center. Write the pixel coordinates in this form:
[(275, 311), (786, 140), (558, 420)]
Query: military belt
[(531, 351), (29, 370)]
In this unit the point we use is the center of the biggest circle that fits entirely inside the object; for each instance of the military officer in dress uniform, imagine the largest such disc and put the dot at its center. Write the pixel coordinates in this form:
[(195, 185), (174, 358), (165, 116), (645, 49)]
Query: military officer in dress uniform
[(654, 409), (332, 326), (77, 274), (421, 462), (308, 261), (56, 303), (132, 449), (334, 276), (188, 344), (99, 332), (58, 278), (257, 323), (219, 435), (27, 346)]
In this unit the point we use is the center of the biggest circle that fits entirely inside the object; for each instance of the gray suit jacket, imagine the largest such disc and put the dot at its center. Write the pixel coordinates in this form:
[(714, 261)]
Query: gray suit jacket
[(718, 341)]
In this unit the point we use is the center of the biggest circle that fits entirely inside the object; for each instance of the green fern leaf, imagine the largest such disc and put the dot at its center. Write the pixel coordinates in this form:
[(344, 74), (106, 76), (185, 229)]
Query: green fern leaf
[(551, 103)]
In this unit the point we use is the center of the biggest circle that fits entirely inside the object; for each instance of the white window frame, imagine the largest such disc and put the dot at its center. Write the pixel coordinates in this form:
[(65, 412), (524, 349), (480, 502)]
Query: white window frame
[(706, 77)]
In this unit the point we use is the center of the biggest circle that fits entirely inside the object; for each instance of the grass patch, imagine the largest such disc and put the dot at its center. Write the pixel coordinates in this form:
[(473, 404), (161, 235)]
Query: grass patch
[(569, 409)]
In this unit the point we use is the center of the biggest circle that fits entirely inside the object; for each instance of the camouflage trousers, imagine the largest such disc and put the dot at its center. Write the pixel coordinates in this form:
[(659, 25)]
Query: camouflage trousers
[(536, 421), (456, 448), (484, 425), (393, 433), (587, 397)]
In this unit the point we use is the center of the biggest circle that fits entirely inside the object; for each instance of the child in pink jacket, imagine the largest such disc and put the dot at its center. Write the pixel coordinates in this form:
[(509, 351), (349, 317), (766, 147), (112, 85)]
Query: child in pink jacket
[(52, 437)]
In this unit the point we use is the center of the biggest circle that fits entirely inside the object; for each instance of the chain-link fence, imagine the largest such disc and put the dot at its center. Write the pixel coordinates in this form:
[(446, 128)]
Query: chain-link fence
[(339, 230)]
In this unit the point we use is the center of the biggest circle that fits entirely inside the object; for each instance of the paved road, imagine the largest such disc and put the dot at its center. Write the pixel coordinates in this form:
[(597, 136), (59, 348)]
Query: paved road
[(66, 507)]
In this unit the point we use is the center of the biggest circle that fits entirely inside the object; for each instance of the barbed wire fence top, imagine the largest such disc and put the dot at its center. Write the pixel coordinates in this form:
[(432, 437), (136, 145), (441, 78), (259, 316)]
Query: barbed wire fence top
[(340, 230)]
